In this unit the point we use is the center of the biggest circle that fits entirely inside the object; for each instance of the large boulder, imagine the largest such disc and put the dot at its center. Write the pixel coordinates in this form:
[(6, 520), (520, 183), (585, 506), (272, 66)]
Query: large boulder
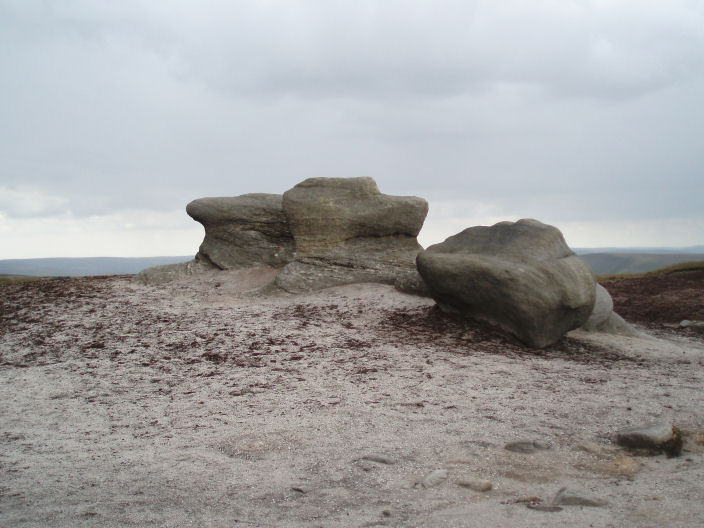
[(243, 231), (346, 231), (323, 232), (521, 277)]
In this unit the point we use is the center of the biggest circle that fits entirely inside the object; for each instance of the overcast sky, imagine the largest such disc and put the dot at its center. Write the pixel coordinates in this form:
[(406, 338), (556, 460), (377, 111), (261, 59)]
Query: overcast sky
[(588, 115)]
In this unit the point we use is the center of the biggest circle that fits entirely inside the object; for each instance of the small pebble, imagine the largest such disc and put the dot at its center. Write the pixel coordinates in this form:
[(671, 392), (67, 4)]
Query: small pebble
[(544, 507), (590, 447), (526, 446), (475, 485), (433, 478), (569, 496), (381, 459)]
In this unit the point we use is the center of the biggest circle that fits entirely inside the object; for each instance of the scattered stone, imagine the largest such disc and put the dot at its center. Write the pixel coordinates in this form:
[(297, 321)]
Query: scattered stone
[(569, 496), (590, 447), (475, 485), (521, 277), (365, 465), (381, 459), (524, 500), (541, 444), (433, 478), (694, 325), (526, 446), (544, 507), (660, 436)]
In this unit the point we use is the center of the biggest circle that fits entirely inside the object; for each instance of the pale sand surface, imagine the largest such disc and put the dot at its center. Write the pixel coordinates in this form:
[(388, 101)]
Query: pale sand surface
[(191, 404)]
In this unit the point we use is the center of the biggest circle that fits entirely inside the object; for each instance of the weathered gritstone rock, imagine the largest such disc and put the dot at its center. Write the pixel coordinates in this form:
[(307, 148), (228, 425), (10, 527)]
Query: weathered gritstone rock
[(323, 232), (326, 211), (604, 319), (347, 232), (243, 231), (380, 260), (520, 277)]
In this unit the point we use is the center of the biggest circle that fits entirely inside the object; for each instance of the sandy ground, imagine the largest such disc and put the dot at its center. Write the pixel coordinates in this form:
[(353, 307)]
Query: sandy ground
[(198, 404)]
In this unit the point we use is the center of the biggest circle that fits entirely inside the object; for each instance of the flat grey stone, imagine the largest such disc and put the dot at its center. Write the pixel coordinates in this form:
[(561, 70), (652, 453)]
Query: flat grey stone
[(572, 496), (380, 458), (659, 436), (475, 485), (645, 436), (526, 446), (544, 507), (433, 478)]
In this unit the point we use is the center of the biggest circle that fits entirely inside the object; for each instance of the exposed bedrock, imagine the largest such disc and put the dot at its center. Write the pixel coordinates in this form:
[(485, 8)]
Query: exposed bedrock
[(521, 277), (242, 231), (346, 231), (178, 271)]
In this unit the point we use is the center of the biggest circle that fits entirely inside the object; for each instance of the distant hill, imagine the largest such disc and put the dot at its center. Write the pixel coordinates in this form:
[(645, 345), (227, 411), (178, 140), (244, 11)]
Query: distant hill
[(619, 263), (76, 267), (689, 250), (602, 262)]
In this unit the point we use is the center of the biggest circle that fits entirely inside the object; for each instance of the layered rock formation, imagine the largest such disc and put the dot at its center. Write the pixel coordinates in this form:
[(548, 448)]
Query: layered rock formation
[(243, 231), (346, 231), (323, 232), (521, 277)]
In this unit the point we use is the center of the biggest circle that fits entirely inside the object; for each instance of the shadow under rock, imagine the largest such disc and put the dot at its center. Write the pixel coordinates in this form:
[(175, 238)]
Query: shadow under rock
[(431, 325)]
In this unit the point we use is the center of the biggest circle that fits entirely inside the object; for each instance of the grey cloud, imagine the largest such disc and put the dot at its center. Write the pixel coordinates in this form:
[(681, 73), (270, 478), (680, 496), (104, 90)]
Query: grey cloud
[(431, 51), (576, 109), (391, 49)]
